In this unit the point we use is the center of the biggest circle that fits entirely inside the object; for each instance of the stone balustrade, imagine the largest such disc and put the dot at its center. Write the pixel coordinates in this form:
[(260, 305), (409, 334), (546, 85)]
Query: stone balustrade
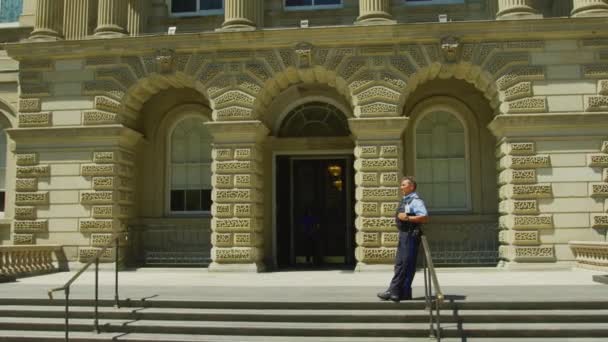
[(590, 254), (25, 260)]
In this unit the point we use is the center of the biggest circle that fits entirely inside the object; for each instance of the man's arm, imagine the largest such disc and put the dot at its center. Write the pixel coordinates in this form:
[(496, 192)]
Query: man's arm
[(420, 213), (414, 219)]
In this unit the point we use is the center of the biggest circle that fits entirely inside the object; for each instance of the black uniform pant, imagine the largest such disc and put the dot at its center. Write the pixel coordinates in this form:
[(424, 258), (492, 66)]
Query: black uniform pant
[(405, 263)]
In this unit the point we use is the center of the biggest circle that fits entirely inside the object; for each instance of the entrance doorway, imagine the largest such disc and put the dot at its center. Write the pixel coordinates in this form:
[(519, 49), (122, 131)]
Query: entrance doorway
[(315, 212)]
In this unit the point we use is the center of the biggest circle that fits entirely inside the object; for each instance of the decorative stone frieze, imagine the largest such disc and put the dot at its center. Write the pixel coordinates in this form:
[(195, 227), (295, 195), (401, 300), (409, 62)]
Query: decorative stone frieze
[(525, 162), (518, 91), (519, 222), (35, 119), (375, 224), (85, 254), (368, 239), (527, 254), (30, 226), (230, 225), (24, 239), (528, 105), (98, 197), (98, 117), (222, 239), (377, 194), (383, 164), (32, 198), (519, 207), (516, 149), (25, 213), (602, 87), (589, 8), (517, 177), (100, 240), (598, 70), (105, 103), (234, 167), (91, 226), (526, 191), (31, 105), (390, 239), (98, 170), (247, 239), (236, 195), (519, 238), (597, 160), (236, 255)]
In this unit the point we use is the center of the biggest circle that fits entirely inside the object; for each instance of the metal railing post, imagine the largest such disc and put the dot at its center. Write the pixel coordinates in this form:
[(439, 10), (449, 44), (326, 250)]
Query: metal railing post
[(67, 314), (116, 303), (97, 295)]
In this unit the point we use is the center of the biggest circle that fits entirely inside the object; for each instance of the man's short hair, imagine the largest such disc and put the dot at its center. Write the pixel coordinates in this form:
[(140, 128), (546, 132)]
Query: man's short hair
[(409, 179)]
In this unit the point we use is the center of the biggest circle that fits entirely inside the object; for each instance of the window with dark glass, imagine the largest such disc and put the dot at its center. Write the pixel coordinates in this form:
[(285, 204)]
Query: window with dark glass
[(312, 3), (190, 167), (182, 7)]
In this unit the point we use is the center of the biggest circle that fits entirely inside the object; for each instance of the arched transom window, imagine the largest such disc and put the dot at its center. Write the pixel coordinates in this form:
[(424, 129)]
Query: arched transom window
[(441, 162), (2, 169), (190, 167), (314, 119)]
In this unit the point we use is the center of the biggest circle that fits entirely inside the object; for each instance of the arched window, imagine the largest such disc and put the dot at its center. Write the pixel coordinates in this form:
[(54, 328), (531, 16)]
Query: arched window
[(441, 162), (314, 119), (190, 167)]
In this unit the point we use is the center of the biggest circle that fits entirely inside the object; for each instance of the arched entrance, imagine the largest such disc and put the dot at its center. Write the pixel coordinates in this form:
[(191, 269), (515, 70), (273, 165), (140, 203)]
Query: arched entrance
[(313, 188)]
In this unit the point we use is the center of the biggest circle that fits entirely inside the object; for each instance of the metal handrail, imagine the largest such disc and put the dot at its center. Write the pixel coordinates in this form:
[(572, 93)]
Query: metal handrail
[(430, 280), (66, 288)]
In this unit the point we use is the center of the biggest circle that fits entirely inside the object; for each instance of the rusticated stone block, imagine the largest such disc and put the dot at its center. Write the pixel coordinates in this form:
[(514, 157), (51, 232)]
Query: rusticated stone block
[(370, 255), (221, 239), (389, 151), (35, 119), (24, 239), (26, 184), (87, 253), (31, 105), (377, 164), (599, 221), (30, 226), (390, 239), (222, 181), (597, 160), (375, 223), (526, 191), (367, 179), (367, 209), (98, 197), (377, 194), (527, 254), (100, 240), (102, 211), (368, 239), (236, 255), (246, 166), (103, 183), (525, 162), (33, 171), (247, 153), (98, 170), (107, 104), (366, 151), (519, 207), (389, 179), (247, 181), (105, 157), (32, 198), (97, 226), (517, 149), (528, 105), (526, 221), (25, 213), (389, 209), (221, 210), (519, 238), (98, 117), (222, 154), (599, 189), (517, 176), (604, 148), (596, 103), (231, 225), (236, 195), (247, 240), (26, 159)]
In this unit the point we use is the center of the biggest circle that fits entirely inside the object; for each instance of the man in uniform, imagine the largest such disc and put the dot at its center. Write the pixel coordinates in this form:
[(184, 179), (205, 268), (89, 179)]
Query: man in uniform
[(410, 216)]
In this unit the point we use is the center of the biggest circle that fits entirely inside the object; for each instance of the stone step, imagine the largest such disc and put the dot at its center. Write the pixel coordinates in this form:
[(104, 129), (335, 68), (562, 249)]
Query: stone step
[(313, 329), (305, 315)]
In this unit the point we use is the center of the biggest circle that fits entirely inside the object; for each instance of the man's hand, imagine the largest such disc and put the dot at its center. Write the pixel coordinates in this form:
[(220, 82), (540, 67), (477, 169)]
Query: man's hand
[(402, 217)]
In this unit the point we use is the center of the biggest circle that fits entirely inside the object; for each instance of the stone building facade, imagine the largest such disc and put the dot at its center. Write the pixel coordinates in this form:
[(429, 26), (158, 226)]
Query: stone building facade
[(182, 121)]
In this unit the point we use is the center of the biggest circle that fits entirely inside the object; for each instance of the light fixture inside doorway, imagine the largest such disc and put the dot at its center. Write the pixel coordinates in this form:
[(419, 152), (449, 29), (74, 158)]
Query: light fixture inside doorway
[(334, 170)]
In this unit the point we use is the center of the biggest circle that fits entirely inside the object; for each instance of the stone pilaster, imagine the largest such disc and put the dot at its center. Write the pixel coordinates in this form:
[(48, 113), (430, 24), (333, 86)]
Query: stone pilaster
[(136, 17), (77, 18), (111, 18), (516, 9), (378, 162), (237, 222), (49, 14), (589, 8), (242, 15), (375, 12)]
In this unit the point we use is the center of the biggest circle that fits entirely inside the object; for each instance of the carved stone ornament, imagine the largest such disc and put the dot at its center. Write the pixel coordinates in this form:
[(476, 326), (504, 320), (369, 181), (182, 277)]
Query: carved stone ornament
[(450, 47), (303, 52), (164, 60)]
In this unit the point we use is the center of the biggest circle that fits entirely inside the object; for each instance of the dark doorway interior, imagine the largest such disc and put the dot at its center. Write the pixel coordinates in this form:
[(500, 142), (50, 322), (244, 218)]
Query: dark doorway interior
[(315, 216)]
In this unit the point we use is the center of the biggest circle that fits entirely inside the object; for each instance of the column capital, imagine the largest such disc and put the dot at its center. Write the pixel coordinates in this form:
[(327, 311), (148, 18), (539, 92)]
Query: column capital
[(228, 132), (378, 128)]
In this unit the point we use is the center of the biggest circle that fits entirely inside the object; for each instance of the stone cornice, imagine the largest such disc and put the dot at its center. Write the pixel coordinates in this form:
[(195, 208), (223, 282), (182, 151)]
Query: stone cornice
[(583, 124), (351, 35), (75, 135), (229, 132)]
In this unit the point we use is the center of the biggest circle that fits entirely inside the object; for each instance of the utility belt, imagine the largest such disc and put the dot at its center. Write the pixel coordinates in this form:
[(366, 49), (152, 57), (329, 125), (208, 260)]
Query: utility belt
[(407, 227)]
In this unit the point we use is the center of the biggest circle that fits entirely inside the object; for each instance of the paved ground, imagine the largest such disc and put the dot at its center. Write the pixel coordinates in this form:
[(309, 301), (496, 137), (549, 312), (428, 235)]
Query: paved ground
[(471, 284)]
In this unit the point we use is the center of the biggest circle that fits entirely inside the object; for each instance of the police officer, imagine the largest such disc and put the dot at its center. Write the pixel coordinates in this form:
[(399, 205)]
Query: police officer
[(411, 214)]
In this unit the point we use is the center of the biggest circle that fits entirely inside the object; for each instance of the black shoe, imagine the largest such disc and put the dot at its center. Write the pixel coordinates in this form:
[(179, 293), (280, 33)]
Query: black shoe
[(384, 295), (395, 298)]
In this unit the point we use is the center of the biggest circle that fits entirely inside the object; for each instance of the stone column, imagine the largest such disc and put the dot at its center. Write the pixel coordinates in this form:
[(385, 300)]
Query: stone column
[(237, 223), (378, 165), (516, 9), (77, 18), (589, 8), (136, 21), (375, 12), (241, 15), (49, 15), (111, 18)]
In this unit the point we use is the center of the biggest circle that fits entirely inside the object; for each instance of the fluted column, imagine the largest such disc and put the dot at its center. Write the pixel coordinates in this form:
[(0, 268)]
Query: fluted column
[(589, 8), (77, 18), (241, 14), (111, 18), (516, 9), (49, 15), (375, 12), (136, 20)]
